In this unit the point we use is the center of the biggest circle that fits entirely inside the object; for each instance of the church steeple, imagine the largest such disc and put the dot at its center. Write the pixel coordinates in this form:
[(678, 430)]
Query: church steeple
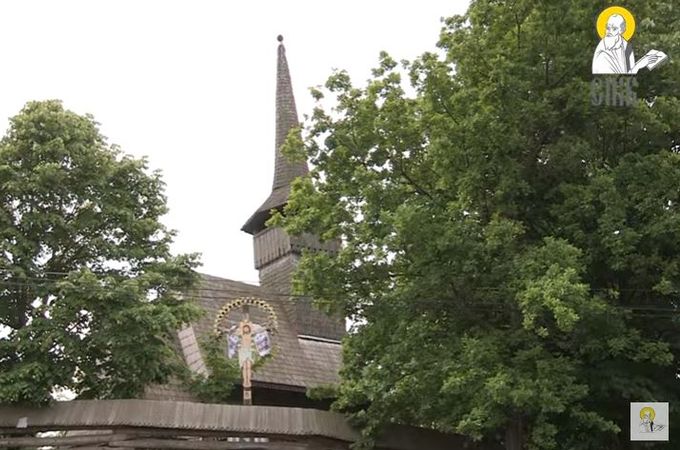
[(277, 253), (284, 170), (286, 119)]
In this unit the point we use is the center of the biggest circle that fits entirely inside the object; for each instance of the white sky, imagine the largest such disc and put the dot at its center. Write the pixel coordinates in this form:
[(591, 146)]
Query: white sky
[(190, 84)]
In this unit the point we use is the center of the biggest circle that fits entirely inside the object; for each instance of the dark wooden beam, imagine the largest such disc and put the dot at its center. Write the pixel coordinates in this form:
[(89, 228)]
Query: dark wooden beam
[(61, 440), (207, 445), (123, 441), (98, 447)]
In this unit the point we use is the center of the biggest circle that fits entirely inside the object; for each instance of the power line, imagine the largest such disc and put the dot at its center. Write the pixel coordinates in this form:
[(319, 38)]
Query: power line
[(253, 283), (285, 285), (259, 291)]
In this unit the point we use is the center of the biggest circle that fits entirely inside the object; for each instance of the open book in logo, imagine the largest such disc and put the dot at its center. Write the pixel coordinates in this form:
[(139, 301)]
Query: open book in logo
[(614, 54)]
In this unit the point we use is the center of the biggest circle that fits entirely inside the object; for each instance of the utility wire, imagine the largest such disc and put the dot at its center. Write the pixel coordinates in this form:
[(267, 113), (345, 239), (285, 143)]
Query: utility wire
[(255, 284), (48, 281), (259, 291)]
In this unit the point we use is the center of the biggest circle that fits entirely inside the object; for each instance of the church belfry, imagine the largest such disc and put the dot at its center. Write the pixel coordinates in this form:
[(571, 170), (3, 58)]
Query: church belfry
[(277, 253)]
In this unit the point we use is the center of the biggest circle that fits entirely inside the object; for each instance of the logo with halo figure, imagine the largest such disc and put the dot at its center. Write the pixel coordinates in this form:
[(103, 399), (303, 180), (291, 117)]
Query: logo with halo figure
[(614, 54), (649, 421), (614, 62)]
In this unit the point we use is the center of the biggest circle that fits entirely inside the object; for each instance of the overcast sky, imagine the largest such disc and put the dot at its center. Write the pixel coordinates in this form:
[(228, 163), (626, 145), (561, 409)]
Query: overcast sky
[(190, 84)]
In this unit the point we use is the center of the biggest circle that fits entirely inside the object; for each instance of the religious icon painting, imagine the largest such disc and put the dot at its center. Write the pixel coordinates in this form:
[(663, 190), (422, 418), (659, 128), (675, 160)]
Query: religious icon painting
[(263, 343), (614, 53), (233, 342)]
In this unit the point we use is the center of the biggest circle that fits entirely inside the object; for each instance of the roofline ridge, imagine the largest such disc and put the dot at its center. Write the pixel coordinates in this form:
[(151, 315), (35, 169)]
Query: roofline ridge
[(309, 337)]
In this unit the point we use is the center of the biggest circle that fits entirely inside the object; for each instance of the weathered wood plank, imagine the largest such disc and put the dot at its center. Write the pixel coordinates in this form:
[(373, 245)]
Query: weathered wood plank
[(178, 433), (62, 440), (207, 445), (98, 447)]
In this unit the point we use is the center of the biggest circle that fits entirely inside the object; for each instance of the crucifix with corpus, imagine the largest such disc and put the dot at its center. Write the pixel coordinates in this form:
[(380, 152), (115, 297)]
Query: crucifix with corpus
[(246, 337), (245, 356), (243, 338)]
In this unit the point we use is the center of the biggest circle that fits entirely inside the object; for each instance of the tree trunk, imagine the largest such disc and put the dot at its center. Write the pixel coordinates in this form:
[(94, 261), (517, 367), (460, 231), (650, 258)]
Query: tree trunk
[(514, 434)]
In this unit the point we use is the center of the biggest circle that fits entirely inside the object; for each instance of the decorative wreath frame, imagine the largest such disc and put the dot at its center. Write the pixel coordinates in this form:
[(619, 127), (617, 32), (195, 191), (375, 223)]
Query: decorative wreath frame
[(272, 320)]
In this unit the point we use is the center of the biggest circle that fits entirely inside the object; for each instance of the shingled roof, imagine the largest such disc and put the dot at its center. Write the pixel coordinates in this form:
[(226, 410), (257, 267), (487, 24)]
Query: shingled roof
[(297, 362), (133, 420), (285, 171)]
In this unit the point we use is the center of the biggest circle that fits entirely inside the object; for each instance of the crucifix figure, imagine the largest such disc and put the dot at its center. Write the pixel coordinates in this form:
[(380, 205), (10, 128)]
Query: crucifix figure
[(244, 339), (245, 357)]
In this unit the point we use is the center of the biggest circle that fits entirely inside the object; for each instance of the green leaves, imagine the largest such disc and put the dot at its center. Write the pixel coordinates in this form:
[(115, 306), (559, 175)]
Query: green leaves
[(218, 384), (90, 294), (510, 251), (553, 286)]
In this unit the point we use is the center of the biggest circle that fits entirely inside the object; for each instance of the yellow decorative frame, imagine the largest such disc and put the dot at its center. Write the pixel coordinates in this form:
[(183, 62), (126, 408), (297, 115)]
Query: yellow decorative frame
[(607, 13), (271, 325)]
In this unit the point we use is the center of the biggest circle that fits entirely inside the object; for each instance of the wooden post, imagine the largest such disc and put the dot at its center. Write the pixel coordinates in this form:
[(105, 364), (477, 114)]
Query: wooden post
[(514, 433)]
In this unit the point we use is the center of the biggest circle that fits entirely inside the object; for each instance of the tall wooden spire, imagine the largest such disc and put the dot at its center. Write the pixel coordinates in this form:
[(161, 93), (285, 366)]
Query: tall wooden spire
[(276, 253), (284, 170), (286, 119)]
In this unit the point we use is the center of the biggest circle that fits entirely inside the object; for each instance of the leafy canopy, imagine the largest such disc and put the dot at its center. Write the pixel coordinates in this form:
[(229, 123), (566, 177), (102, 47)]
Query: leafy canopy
[(89, 293), (512, 252)]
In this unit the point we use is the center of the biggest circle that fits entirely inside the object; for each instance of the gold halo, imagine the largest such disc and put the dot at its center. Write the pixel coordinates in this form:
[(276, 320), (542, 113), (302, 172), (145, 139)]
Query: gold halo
[(607, 13), (272, 322), (648, 409)]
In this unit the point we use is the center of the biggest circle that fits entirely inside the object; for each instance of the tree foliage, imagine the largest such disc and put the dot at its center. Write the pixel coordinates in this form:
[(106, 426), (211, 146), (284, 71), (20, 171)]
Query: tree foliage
[(512, 252), (89, 292), (217, 384)]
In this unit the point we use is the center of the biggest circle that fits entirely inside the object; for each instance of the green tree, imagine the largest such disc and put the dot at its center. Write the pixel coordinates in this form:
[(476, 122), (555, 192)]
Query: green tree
[(217, 384), (512, 251), (89, 293)]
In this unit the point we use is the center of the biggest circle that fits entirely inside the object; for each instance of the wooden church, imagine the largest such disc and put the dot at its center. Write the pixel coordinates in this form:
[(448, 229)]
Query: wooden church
[(306, 352), (306, 344)]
